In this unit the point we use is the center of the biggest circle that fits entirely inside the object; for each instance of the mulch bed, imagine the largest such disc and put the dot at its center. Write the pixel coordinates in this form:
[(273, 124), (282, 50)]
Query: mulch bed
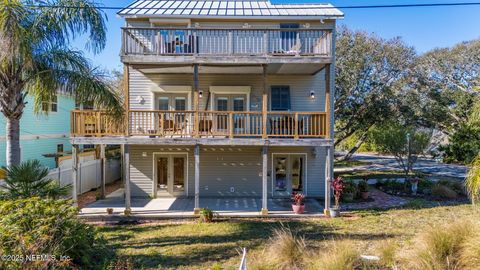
[(91, 196)]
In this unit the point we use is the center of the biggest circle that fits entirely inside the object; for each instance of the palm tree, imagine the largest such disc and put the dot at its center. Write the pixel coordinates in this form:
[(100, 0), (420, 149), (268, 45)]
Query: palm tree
[(29, 179), (472, 182), (36, 59)]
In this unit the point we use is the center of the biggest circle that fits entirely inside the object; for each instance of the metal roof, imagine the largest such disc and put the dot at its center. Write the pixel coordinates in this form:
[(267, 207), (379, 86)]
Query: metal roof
[(228, 8)]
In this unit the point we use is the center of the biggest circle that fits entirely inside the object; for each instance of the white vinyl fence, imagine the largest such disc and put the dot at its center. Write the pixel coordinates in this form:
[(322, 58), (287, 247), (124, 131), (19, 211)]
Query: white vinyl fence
[(89, 174)]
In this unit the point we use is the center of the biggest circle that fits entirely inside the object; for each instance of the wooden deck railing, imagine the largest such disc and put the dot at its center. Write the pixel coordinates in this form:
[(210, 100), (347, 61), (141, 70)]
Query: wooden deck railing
[(202, 124), (201, 41)]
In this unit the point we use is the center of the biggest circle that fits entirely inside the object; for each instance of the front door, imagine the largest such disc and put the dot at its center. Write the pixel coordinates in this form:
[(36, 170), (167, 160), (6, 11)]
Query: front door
[(226, 103), (171, 175), (288, 174)]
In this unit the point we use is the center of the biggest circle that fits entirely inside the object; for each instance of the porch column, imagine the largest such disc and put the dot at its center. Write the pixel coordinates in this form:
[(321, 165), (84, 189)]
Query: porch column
[(328, 180), (328, 108), (103, 163), (264, 180), (126, 161), (196, 209), (196, 100), (264, 102), (74, 173)]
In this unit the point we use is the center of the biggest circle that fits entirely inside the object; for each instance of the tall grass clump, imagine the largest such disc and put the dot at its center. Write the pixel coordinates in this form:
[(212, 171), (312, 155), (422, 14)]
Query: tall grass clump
[(341, 255), (284, 250), (470, 255), (472, 182), (440, 247)]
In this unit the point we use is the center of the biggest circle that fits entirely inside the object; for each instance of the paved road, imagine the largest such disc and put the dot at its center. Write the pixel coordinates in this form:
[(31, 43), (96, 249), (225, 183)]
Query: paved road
[(384, 163)]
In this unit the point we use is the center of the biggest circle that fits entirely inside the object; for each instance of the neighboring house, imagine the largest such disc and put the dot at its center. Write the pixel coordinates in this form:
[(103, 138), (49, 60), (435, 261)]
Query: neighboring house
[(42, 136), (225, 98)]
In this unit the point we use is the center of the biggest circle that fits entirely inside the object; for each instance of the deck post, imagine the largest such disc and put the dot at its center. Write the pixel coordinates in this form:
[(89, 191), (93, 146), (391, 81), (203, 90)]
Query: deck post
[(74, 174), (103, 169), (264, 180), (196, 101), (126, 161), (328, 101), (264, 102), (328, 180), (196, 209)]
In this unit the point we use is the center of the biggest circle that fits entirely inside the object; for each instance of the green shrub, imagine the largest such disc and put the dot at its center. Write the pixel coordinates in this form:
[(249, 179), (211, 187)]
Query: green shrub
[(48, 227), (443, 192), (463, 146), (206, 215), (363, 186), (29, 179)]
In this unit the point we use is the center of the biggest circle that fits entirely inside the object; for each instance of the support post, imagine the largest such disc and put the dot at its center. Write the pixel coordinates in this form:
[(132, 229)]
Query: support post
[(196, 101), (126, 83), (196, 209), (328, 181), (74, 174), (327, 102), (103, 169), (126, 161), (264, 180), (264, 102)]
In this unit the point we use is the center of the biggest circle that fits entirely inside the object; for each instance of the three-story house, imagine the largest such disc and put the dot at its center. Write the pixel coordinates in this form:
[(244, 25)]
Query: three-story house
[(223, 99)]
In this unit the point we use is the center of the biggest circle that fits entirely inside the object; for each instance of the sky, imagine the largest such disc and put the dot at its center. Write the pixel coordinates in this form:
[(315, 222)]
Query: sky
[(424, 28)]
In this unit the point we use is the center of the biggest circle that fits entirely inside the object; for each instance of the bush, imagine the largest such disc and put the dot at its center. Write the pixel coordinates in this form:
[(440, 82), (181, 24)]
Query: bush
[(29, 179), (464, 145), (48, 227), (206, 215), (342, 255), (443, 192), (363, 186)]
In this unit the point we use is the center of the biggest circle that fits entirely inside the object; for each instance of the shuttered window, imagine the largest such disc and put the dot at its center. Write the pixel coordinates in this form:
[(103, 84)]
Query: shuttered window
[(280, 98)]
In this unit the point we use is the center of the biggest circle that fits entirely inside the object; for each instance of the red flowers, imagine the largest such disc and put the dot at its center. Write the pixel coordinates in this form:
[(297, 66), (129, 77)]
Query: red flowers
[(298, 198), (337, 186)]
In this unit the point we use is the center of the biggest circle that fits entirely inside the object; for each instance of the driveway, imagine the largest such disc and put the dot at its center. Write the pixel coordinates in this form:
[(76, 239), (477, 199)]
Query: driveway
[(386, 163)]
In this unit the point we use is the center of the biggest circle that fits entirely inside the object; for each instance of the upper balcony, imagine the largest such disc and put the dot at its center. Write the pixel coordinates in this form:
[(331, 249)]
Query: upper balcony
[(225, 46)]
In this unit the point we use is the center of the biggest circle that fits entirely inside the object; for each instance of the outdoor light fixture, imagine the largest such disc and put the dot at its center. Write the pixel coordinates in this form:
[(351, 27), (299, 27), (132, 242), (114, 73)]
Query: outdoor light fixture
[(312, 94), (200, 94), (140, 99)]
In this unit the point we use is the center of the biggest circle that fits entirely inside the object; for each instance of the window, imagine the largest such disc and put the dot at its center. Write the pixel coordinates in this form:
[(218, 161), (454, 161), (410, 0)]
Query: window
[(163, 103), (280, 98), (59, 148), (239, 104), (222, 104), (180, 104), (51, 106)]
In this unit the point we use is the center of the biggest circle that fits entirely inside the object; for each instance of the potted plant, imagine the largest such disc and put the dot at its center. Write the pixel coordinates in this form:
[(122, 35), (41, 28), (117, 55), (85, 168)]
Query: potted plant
[(363, 189), (298, 205), (206, 215), (349, 191), (109, 211), (337, 186)]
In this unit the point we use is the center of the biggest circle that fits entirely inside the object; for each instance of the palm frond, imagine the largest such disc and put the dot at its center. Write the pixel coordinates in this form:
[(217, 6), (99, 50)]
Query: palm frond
[(29, 179), (472, 182), (62, 23), (61, 68)]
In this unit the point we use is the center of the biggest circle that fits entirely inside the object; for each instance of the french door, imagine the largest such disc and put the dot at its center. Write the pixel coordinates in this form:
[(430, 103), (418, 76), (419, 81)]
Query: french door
[(225, 103), (289, 173), (171, 175)]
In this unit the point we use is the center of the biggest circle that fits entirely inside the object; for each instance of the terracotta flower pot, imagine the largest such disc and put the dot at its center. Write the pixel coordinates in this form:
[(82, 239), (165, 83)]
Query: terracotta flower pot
[(109, 211), (298, 209), (364, 195)]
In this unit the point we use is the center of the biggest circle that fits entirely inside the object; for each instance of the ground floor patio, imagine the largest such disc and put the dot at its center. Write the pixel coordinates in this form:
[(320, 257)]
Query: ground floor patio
[(183, 207)]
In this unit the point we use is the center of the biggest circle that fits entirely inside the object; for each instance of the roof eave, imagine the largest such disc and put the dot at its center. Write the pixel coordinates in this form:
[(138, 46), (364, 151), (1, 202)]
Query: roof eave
[(250, 17)]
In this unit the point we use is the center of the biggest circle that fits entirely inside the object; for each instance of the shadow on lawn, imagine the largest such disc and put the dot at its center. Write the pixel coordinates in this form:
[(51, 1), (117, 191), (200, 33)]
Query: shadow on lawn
[(196, 249)]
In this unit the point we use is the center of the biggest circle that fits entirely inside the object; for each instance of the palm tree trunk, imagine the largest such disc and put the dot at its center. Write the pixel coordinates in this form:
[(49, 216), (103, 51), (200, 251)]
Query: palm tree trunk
[(13, 141)]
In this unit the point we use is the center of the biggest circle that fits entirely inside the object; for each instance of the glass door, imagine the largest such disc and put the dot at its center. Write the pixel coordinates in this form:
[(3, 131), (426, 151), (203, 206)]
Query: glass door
[(288, 174), (171, 175)]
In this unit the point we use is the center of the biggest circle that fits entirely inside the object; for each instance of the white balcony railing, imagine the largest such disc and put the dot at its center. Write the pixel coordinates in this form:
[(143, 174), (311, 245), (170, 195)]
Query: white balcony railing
[(252, 42)]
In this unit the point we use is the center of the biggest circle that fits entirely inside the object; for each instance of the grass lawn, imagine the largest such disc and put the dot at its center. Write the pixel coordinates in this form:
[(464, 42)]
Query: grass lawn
[(190, 245), (359, 174)]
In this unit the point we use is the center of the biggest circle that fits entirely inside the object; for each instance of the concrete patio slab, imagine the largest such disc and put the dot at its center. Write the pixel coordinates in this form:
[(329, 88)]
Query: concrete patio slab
[(183, 207)]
